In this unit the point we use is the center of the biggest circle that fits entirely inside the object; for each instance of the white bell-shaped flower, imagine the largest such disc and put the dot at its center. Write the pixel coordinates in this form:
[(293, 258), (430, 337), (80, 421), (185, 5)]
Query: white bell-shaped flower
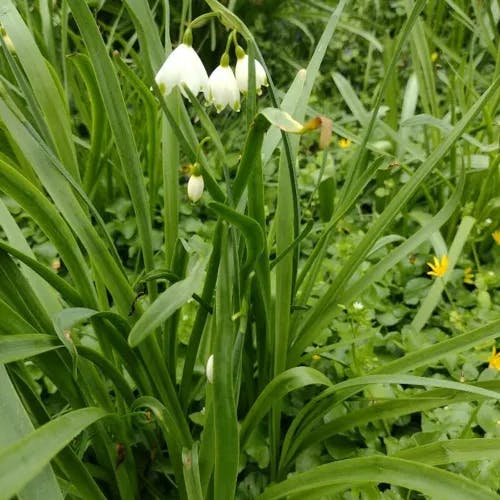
[(195, 187), (182, 67), (241, 72), (209, 370), (222, 88)]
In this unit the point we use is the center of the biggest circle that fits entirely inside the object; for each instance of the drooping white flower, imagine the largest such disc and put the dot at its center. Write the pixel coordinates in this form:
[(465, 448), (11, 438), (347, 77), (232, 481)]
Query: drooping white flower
[(358, 306), (209, 370), (182, 67), (195, 187), (222, 88), (241, 72)]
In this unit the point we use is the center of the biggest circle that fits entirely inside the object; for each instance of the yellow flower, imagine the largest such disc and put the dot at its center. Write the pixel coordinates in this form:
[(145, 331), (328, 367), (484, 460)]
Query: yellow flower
[(496, 236), (345, 143), (468, 276), (439, 267), (494, 360), (434, 57)]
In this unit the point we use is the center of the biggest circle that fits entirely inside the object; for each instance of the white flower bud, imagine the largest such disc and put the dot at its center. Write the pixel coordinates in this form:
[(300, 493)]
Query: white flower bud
[(241, 72), (195, 187), (209, 370), (182, 67)]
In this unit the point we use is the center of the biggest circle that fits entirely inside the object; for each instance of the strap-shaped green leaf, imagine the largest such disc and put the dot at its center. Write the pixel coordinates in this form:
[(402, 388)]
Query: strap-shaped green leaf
[(435, 483), (453, 450), (250, 228), (19, 347), (166, 304), (285, 382), (16, 424), (119, 122), (23, 460)]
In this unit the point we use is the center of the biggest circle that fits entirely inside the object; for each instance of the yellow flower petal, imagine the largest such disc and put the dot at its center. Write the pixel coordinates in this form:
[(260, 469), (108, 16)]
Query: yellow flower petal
[(494, 360), (439, 267), (496, 236)]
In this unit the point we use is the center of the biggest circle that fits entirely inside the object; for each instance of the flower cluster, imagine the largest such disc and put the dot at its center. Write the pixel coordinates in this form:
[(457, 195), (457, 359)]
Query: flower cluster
[(184, 68)]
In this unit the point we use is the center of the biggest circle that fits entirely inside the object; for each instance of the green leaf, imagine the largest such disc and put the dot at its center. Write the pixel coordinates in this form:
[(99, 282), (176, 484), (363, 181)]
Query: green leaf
[(13, 417), (19, 347), (428, 480), (15, 237), (453, 450), (67, 292), (119, 123), (17, 292), (46, 88), (192, 473), (285, 382), (226, 438), (300, 433), (438, 351), (251, 230), (23, 460), (166, 304), (63, 322)]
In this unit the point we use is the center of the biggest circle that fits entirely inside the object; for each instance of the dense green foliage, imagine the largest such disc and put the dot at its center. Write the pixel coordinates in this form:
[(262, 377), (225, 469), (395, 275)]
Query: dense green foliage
[(282, 336)]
